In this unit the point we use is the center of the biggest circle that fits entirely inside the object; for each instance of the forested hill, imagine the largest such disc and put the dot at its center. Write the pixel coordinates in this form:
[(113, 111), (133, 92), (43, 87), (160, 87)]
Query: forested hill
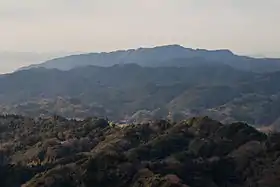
[(197, 152), (137, 94)]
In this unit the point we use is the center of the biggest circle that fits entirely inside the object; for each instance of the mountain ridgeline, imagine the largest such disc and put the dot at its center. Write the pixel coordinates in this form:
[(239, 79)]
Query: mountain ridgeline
[(170, 55)]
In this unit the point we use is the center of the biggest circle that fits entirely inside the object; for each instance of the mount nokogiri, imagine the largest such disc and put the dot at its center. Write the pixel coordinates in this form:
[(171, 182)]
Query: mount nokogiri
[(170, 55)]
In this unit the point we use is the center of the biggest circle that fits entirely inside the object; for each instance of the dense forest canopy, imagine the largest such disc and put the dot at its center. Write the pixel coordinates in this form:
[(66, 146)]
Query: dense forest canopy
[(197, 152)]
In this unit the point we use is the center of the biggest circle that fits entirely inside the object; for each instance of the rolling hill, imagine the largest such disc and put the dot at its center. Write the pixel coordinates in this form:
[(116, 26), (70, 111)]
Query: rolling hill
[(197, 152), (132, 93)]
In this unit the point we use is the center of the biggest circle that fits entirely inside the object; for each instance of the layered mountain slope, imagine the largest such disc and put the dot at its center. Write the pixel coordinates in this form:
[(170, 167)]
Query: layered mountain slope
[(137, 94), (118, 89)]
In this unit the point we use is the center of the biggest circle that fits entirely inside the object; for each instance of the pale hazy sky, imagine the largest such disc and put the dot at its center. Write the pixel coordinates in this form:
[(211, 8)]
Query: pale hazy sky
[(244, 26)]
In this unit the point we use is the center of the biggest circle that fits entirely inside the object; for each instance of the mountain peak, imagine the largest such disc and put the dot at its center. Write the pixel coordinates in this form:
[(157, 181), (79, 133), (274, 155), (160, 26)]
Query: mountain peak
[(225, 51), (162, 47), (221, 51), (172, 46)]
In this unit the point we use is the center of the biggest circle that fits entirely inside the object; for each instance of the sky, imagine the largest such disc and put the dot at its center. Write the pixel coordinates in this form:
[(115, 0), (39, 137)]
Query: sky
[(48, 26)]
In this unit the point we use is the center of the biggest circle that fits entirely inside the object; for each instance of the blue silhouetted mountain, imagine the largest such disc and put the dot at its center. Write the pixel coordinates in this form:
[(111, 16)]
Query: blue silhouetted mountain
[(170, 55)]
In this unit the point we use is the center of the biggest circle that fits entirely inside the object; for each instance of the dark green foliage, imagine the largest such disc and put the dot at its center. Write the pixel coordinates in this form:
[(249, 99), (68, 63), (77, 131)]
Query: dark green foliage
[(197, 152)]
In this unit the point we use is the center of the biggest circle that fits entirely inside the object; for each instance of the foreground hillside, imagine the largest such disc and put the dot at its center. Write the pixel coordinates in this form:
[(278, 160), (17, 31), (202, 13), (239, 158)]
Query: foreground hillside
[(198, 152)]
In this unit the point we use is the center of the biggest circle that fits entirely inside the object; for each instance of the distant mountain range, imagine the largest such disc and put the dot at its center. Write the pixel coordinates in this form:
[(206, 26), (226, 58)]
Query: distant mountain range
[(11, 60), (170, 55)]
